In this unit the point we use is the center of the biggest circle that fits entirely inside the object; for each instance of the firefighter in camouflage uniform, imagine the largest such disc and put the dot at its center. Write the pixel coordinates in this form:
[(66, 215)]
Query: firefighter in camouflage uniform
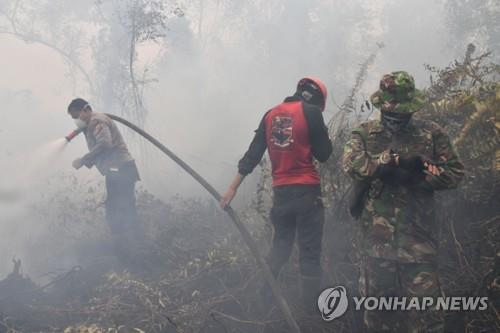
[(401, 161)]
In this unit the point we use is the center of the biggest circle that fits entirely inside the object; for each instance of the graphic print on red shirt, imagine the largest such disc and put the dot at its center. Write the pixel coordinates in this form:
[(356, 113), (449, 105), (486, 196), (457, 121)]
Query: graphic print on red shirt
[(282, 131)]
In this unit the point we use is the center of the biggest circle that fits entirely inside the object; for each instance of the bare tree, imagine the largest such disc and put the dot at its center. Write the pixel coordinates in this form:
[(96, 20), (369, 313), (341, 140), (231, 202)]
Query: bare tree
[(145, 21), (18, 19)]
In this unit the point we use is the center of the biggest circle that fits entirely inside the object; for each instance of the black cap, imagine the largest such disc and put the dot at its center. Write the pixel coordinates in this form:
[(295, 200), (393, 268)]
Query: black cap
[(78, 104)]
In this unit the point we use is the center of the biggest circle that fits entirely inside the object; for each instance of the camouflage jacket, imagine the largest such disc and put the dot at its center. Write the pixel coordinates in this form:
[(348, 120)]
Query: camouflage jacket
[(397, 221), (107, 149)]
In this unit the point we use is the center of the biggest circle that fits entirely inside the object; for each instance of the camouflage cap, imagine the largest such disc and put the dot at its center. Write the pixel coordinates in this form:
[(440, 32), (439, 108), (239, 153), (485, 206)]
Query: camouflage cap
[(397, 94)]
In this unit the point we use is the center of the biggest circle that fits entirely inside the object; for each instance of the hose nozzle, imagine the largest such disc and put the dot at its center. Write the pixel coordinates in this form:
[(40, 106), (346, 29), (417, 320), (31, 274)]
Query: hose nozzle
[(73, 134)]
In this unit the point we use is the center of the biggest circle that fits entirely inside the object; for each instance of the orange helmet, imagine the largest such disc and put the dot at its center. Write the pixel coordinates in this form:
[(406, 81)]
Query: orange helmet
[(313, 90)]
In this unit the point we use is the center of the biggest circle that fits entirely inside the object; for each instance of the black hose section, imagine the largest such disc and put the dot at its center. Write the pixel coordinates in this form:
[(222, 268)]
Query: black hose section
[(247, 237)]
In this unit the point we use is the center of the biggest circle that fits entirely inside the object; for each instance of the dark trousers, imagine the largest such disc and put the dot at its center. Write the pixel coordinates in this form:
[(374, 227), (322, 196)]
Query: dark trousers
[(297, 210), (121, 212)]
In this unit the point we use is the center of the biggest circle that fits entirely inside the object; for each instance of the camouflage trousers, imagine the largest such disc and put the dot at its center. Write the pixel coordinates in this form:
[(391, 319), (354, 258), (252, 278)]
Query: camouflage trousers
[(380, 277)]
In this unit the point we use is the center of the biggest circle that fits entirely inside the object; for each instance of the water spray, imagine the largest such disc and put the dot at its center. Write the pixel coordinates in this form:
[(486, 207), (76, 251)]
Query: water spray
[(247, 237)]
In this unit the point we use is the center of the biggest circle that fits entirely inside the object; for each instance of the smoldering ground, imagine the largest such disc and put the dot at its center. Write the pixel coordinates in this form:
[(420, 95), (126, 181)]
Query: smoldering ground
[(204, 83)]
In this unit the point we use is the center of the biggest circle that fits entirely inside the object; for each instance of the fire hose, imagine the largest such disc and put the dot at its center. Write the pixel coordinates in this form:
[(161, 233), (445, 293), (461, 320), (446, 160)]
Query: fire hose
[(247, 237)]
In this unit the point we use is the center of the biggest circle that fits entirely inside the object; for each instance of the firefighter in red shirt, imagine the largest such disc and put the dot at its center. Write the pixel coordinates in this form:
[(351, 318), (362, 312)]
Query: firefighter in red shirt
[(294, 133)]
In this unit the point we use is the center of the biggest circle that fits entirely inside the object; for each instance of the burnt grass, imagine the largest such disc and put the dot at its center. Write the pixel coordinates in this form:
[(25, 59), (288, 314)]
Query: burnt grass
[(196, 275), (193, 275)]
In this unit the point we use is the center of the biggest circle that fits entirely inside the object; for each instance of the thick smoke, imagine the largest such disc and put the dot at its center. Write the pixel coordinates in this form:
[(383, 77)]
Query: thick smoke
[(219, 66)]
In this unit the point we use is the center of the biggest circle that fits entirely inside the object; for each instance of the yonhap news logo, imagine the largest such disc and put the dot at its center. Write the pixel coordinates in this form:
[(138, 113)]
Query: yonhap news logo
[(333, 303)]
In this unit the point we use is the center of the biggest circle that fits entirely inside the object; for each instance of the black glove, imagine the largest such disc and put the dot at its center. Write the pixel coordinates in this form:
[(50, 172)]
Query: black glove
[(386, 171), (414, 163), (393, 175), (386, 165)]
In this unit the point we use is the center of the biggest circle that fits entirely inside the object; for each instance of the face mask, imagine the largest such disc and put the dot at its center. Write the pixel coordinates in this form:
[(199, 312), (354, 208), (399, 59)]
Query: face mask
[(80, 123), (395, 122)]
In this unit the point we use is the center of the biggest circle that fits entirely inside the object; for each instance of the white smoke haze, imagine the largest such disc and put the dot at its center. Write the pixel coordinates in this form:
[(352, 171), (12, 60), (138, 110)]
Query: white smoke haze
[(209, 80)]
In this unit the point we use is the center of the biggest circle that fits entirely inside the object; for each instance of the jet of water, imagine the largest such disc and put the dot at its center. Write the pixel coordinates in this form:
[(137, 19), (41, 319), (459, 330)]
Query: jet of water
[(31, 168)]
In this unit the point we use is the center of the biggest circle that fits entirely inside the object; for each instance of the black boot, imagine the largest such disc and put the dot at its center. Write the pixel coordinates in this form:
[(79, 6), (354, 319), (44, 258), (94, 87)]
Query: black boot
[(310, 293), (265, 292)]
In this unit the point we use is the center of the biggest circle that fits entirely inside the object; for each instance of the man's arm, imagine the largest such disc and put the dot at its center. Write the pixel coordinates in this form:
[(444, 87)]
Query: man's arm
[(231, 191), (444, 170), (356, 162), (254, 153), (451, 168), (318, 133), (102, 134), (246, 165)]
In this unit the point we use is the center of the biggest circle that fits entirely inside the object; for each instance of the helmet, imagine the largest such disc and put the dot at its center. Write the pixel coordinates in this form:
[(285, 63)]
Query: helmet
[(397, 94), (313, 91)]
